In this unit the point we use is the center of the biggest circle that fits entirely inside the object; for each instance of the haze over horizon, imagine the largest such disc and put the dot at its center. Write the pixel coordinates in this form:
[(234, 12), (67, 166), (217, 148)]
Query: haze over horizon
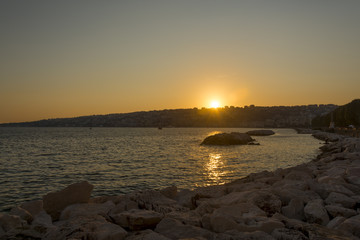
[(75, 58)]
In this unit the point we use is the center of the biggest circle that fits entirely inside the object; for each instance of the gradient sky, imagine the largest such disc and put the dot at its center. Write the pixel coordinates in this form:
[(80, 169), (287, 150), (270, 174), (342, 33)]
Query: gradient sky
[(70, 58)]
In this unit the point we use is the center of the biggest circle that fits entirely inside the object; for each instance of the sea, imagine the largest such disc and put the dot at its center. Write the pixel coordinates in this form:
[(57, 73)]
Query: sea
[(35, 161)]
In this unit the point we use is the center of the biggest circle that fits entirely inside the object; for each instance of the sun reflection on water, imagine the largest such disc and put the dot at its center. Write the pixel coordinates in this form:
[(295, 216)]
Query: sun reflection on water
[(215, 168)]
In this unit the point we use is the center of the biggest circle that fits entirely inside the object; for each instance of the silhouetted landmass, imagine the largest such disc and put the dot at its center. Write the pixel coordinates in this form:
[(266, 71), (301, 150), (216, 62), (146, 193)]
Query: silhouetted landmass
[(248, 116), (343, 116)]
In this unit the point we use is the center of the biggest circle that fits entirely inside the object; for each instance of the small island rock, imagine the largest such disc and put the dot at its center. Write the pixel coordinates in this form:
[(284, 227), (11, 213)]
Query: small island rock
[(262, 132), (233, 138)]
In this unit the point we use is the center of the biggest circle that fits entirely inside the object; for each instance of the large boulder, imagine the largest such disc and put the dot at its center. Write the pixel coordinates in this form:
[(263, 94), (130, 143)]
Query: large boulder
[(262, 132), (335, 198), (233, 138), (86, 210), (136, 219), (315, 212), (8, 222), (95, 227), (174, 229), (55, 202)]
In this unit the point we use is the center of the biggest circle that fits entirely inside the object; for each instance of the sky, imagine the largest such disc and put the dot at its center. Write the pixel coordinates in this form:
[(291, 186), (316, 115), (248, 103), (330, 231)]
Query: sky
[(72, 58)]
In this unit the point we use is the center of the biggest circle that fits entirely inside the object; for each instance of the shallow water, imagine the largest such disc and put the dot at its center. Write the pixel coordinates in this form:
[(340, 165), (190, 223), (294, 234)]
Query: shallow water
[(35, 161)]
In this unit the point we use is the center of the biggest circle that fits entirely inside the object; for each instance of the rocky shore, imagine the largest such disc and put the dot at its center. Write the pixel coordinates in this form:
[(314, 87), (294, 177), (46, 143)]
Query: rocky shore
[(316, 200)]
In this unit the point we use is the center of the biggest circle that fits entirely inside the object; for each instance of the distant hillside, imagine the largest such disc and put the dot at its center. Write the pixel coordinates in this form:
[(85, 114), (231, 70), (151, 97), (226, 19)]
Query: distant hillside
[(343, 116), (248, 116)]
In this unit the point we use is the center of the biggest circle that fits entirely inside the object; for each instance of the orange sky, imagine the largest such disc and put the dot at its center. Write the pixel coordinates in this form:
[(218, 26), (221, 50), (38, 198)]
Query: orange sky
[(72, 58)]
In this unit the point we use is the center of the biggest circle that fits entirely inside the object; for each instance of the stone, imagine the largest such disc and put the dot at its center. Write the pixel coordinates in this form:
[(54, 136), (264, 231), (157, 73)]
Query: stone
[(298, 176), (9, 222), (286, 194), (324, 189), (245, 217), (288, 234), (351, 225), (86, 209), (266, 201), (95, 227), (109, 231), (315, 212), (33, 207), (227, 217), (335, 222), (155, 201), (136, 219), (335, 211), (189, 217), (42, 222), (187, 198), (174, 229), (262, 132), (169, 192), (125, 204), (340, 199), (237, 235), (295, 209), (354, 171), (55, 202), (146, 235), (22, 213), (227, 139)]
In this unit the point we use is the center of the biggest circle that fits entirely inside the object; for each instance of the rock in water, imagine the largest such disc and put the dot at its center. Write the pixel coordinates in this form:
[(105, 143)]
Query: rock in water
[(55, 202), (233, 138), (262, 132)]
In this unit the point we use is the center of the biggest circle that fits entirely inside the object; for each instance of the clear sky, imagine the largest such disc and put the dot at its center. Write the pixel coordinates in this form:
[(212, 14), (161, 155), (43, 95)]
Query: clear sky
[(70, 58)]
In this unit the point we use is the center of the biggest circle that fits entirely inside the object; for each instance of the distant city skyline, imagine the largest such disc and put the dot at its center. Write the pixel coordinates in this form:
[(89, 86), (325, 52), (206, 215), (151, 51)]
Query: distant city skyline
[(75, 58)]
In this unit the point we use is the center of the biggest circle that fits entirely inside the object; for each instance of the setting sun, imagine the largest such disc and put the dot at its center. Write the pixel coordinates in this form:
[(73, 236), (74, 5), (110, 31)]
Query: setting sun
[(215, 104)]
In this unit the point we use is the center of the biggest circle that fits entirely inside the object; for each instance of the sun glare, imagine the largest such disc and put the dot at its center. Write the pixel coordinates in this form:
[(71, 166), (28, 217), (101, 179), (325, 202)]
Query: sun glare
[(215, 104)]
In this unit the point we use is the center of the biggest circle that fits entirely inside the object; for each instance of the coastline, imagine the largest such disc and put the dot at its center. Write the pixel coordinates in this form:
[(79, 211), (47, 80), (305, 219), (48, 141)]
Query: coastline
[(315, 200)]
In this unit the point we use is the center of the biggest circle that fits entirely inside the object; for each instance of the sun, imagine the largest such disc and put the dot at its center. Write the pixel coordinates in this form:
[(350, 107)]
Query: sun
[(215, 104)]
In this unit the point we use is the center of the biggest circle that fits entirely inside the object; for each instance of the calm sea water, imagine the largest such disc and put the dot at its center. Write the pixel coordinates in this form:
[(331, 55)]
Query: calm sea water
[(35, 161)]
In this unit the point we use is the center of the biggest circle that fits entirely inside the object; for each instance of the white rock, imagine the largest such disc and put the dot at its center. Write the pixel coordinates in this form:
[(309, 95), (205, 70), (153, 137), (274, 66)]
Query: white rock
[(266, 201), (336, 211), (22, 213), (33, 207), (42, 222), (324, 189), (353, 180), (174, 229), (146, 235), (351, 225), (288, 234), (95, 227), (286, 194), (170, 192), (189, 217), (9, 222), (86, 209), (125, 204), (237, 235), (298, 175), (136, 219), (243, 217), (338, 198), (55, 202), (295, 209), (155, 201), (335, 222), (109, 231), (315, 212)]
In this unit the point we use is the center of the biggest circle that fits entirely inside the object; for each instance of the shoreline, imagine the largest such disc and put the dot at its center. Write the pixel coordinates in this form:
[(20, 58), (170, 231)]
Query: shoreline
[(315, 200)]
